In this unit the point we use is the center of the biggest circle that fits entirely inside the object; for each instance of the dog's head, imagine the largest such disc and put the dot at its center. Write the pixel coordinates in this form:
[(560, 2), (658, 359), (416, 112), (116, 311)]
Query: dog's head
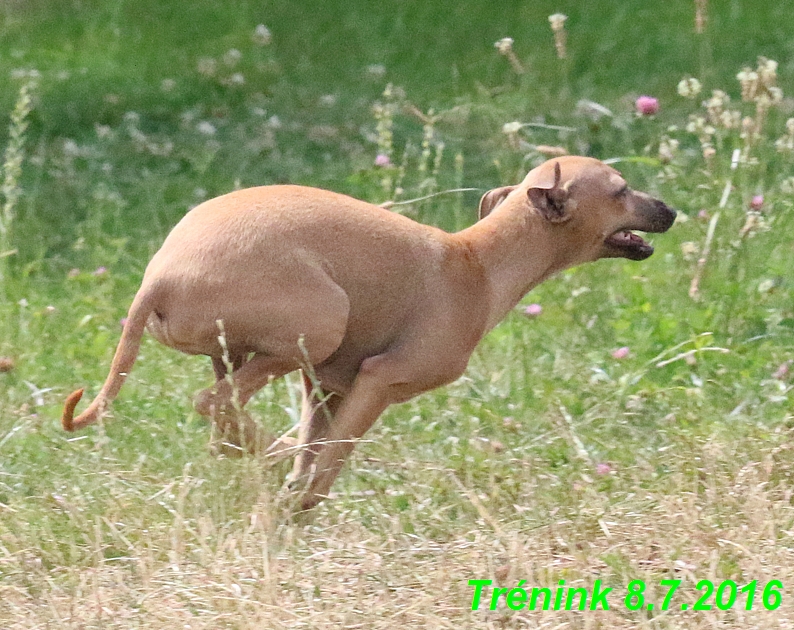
[(588, 203)]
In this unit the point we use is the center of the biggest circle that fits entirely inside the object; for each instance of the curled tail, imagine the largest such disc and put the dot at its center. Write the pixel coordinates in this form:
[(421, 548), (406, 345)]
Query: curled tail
[(123, 360)]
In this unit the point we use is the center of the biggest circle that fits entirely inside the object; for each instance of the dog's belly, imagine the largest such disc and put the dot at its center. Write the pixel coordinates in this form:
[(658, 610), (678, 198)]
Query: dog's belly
[(285, 322)]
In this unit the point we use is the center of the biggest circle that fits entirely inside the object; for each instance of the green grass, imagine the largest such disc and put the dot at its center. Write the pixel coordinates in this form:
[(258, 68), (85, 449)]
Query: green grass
[(550, 459)]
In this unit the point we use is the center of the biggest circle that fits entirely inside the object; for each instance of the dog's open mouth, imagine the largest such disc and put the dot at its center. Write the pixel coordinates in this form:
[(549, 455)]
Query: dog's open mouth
[(627, 244)]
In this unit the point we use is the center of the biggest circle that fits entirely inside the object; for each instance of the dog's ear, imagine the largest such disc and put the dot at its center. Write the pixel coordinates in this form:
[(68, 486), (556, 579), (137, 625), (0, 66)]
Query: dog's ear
[(551, 199), (493, 198)]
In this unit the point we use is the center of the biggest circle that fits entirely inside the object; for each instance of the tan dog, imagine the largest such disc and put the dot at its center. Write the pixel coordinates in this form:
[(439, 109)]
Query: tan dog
[(385, 308)]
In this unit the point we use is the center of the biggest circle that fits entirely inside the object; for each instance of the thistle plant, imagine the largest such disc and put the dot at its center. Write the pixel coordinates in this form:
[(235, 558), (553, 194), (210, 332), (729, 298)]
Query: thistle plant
[(12, 170)]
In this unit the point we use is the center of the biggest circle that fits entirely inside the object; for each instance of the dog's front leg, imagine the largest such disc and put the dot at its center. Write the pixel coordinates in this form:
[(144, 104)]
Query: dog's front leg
[(357, 412), (317, 412)]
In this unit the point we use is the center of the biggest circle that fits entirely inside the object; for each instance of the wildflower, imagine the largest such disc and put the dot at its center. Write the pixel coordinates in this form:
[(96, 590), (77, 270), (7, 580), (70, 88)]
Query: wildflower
[(261, 36), (647, 105), (767, 71), (766, 286), (24, 73), (621, 353), (49, 309), (231, 57), (533, 310), (382, 160), (236, 79), (71, 148), (787, 186), (696, 124), (207, 66), (689, 88), (512, 127), (785, 144), (757, 202), (667, 149), (510, 423), (689, 249), (703, 215), (731, 119), (6, 364), (603, 469), (123, 322), (716, 105), (99, 271), (205, 127), (102, 131), (782, 372), (328, 100), (167, 85), (376, 71), (748, 79)]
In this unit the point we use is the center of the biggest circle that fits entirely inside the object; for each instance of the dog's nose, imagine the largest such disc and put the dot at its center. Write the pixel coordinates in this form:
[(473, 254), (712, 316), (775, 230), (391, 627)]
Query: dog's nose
[(663, 216), (669, 213)]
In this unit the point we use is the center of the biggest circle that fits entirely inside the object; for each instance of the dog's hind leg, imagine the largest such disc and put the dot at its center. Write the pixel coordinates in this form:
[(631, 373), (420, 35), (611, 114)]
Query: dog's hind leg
[(224, 401), (220, 369), (317, 413)]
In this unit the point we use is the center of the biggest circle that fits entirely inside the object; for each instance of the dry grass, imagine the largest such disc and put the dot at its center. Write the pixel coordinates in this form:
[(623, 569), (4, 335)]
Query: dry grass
[(218, 548)]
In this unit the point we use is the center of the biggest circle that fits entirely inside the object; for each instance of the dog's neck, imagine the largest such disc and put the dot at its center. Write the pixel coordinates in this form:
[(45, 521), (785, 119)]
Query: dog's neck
[(517, 252)]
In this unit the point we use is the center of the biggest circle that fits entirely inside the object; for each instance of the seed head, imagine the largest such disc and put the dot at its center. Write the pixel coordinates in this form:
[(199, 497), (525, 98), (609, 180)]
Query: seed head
[(504, 45), (261, 35), (557, 21), (748, 79), (232, 57), (512, 127)]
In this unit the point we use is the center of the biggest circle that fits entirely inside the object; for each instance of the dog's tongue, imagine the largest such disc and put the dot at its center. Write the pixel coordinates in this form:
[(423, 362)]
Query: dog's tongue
[(626, 237)]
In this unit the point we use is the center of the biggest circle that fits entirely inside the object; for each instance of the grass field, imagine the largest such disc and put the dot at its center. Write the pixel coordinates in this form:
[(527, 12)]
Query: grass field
[(638, 428)]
